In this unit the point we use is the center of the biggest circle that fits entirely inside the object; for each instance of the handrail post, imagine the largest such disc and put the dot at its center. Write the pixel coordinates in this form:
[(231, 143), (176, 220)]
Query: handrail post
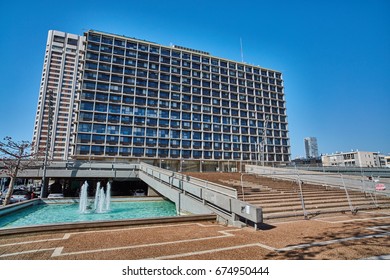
[(242, 188), (353, 211), (301, 194), (302, 199)]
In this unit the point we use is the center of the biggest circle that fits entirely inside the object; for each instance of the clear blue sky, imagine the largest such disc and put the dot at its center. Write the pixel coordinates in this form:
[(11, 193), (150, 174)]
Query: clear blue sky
[(334, 55)]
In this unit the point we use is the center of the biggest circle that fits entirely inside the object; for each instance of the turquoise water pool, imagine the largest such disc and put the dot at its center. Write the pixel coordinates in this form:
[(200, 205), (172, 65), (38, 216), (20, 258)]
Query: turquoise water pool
[(69, 213)]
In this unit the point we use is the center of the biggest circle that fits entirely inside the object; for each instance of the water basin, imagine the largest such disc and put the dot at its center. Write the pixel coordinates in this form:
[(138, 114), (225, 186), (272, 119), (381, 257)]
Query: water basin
[(44, 214)]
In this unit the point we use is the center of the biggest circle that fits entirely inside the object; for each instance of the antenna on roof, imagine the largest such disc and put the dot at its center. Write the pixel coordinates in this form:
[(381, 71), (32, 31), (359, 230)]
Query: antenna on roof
[(242, 52)]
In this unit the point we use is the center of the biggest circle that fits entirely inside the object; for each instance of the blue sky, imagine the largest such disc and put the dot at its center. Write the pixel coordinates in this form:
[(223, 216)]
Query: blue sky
[(334, 55)]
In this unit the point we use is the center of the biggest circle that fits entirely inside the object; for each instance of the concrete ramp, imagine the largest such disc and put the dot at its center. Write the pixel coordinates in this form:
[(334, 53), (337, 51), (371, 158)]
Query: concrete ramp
[(201, 197)]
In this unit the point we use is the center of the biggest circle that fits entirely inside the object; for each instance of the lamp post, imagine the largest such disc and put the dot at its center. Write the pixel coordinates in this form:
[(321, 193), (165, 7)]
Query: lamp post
[(264, 140), (48, 142)]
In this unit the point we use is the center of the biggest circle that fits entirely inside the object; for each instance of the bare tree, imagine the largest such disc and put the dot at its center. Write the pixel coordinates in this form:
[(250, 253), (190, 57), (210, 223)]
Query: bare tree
[(15, 156)]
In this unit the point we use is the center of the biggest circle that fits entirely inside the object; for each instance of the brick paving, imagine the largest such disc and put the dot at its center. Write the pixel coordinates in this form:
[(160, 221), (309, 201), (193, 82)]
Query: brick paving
[(335, 237)]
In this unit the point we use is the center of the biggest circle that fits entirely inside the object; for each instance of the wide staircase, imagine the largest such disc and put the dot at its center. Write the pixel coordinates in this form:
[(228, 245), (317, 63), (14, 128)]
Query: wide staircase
[(286, 200)]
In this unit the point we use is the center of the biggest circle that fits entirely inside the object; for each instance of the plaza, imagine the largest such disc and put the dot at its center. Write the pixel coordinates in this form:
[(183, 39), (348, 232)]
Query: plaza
[(335, 237)]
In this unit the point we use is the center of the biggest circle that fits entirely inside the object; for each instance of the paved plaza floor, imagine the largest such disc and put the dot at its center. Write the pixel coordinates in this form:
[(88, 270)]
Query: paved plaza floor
[(336, 237)]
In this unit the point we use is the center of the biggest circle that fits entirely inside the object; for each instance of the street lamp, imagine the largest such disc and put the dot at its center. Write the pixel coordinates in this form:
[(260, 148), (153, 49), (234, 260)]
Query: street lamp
[(48, 141), (264, 140)]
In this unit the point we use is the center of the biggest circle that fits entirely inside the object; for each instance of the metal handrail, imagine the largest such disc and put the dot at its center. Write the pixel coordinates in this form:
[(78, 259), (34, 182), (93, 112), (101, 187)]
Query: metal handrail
[(231, 192)]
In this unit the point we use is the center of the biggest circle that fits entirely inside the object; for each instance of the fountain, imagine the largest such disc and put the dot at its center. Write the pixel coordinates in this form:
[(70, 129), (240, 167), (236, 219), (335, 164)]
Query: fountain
[(102, 199), (83, 204)]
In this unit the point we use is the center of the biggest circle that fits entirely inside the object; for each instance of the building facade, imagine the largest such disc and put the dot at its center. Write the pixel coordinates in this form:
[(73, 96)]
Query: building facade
[(311, 147), (353, 159), (139, 100), (58, 92), (386, 161)]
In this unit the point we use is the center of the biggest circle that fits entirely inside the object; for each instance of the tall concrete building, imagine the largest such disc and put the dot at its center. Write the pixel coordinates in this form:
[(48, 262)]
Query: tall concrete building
[(62, 69), (169, 104), (311, 147)]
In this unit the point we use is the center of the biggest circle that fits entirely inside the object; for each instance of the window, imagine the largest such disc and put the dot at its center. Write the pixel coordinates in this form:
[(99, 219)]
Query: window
[(175, 133), (97, 150), (138, 152), (126, 130), (175, 124), (175, 115), (186, 125), (113, 118), (151, 152), (85, 127), (163, 153), (186, 153), (197, 145), (125, 151), (151, 142), (196, 117), (112, 139), (93, 37), (99, 128), (196, 125), (86, 105), (139, 131), (175, 143), (85, 116), (186, 135)]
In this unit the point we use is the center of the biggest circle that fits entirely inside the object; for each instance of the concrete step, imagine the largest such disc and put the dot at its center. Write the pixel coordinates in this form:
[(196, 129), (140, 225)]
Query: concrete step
[(285, 200), (315, 212), (285, 208), (266, 199)]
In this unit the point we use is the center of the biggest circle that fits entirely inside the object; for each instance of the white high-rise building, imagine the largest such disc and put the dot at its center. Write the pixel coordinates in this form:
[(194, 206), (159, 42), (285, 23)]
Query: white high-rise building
[(311, 147), (59, 87)]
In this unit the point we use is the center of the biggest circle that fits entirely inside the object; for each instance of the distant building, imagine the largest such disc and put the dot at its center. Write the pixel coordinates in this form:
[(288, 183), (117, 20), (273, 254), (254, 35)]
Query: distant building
[(311, 147), (386, 161), (307, 161), (354, 158)]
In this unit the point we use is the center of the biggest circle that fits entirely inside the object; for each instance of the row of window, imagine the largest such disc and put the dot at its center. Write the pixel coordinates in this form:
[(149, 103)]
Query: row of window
[(173, 120), (194, 121), (156, 81), (102, 90), (231, 100), (176, 66), (173, 74), (244, 110), (126, 85), (108, 44), (193, 113), (154, 136), (120, 75), (173, 153), (195, 145)]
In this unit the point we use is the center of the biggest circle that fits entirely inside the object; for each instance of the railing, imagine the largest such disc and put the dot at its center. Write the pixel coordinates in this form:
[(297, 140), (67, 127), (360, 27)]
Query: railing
[(320, 178), (82, 169), (174, 178), (219, 199), (337, 180)]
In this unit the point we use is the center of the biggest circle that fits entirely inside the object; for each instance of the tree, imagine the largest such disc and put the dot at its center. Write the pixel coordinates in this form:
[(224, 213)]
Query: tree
[(15, 156)]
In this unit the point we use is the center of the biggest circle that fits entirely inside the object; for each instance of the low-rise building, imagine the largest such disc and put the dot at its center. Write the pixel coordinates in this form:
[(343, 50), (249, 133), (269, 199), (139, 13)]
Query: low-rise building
[(354, 158), (386, 161)]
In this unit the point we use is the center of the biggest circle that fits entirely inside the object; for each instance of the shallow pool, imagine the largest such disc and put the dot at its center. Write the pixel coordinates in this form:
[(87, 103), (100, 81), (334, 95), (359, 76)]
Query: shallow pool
[(68, 213)]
